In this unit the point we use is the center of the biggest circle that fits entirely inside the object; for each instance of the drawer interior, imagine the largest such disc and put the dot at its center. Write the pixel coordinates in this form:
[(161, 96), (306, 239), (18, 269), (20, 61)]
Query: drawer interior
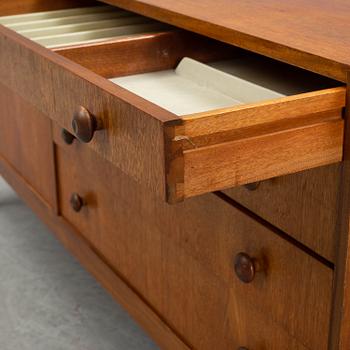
[(194, 87), (224, 116), (183, 85)]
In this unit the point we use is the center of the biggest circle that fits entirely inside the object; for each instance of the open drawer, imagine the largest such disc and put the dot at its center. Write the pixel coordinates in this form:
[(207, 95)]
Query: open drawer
[(285, 119)]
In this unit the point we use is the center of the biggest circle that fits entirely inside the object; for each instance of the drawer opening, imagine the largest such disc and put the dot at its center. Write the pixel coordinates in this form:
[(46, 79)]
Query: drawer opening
[(238, 117), (200, 80), (194, 87), (157, 66), (212, 88), (209, 115), (112, 42)]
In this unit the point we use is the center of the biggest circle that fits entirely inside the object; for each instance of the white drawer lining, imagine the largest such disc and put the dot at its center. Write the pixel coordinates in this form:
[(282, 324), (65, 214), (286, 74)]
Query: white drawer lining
[(54, 29)]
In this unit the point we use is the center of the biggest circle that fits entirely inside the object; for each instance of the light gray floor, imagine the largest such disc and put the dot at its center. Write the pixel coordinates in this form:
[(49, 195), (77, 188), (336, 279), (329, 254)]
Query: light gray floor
[(47, 300)]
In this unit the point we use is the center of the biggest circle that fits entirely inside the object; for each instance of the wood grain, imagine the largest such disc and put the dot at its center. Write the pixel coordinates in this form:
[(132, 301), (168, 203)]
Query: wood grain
[(304, 205), (253, 142), (340, 337), (259, 157), (220, 319), (132, 128), (26, 143), (180, 258), (135, 133), (247, 115), (263, 333), (96, 264), (309, 34), (171, 266), (146, 53)]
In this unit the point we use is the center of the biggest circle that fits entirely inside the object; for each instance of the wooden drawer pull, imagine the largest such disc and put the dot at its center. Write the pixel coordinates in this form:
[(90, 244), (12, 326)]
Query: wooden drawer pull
[(241, 348), (84, 124), (245, 267), (76, 202), (67, 137)]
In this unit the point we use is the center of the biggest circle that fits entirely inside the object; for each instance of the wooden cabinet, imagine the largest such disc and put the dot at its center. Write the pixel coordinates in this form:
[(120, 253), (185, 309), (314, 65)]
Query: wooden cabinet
[(224, 227)]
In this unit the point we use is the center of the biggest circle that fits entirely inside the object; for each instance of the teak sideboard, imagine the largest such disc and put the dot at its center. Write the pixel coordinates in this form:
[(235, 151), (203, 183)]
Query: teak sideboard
[(222, 229)]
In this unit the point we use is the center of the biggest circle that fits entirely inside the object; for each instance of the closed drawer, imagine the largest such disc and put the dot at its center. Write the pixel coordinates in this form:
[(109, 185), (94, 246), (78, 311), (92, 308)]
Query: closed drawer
[(165, 251), (272, 129), (305, 205), (26, 144), (210, 314)]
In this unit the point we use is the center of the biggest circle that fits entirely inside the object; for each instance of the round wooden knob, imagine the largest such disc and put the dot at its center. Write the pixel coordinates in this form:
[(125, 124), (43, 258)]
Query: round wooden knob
[(76, 202), (252, 186), (244, 267), (84, 124), (67, 137)]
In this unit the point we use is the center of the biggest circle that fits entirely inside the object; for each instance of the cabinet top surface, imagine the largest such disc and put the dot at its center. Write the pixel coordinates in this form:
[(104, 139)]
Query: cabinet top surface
[(312, 34)]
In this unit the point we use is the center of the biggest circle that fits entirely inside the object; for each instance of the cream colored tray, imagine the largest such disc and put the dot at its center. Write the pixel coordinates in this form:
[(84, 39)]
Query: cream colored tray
[(195, 87), (46, 24), (37, 16), (96, 35), (80, 25)]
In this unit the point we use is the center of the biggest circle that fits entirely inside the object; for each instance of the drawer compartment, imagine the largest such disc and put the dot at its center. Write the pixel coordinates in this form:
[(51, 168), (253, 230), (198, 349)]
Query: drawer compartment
[(170, 252), (297, 127)]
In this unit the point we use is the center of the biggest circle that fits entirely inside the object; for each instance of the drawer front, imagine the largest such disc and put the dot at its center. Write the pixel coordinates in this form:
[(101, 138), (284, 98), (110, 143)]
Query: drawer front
[(131, 138), (266, 140), (175, 157), (208, 313), (304, 205), (131, 229), (26, 144)]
